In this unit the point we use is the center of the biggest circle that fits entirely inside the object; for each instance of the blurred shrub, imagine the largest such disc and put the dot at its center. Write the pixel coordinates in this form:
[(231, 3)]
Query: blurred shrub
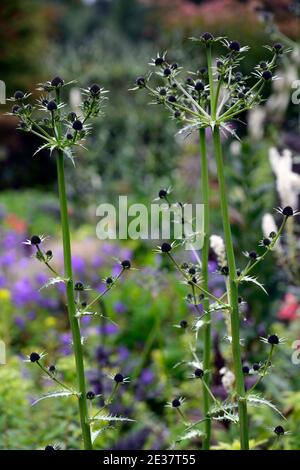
[(23, 29), (133, 145)]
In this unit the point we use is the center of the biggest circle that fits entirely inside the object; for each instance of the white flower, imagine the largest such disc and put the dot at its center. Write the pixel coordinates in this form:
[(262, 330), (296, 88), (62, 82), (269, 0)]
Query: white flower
[(256, 119), (235, 148), (287, 181), (269, 226), (218, 247), (227, 379), (75, 99), (281, 96)]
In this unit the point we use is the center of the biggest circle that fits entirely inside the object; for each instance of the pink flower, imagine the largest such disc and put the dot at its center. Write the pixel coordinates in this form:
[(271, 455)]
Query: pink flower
[(289, 308)]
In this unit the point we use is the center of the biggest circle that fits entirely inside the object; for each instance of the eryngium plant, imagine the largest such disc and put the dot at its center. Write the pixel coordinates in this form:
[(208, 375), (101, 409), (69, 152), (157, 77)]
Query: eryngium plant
[(212, 97), (61, 132)]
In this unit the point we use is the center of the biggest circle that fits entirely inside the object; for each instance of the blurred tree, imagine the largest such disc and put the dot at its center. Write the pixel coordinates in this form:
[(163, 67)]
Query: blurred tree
[(23, 26)]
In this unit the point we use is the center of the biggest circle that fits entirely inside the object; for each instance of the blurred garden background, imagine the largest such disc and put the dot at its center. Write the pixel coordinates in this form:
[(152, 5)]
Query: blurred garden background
[(134, 151)]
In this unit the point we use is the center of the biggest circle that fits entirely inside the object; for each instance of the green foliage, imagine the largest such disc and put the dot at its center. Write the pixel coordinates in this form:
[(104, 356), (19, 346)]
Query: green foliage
[(22, 31)]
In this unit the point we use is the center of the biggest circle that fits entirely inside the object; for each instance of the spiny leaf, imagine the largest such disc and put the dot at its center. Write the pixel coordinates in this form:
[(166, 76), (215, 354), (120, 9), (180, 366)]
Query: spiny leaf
[(187, 130), (234, 417), (57, 394), (52, 148), (254, 281), (96, 434), (230, 130), (257, 400), (190, 435), (42, 147), (225, 412), (51, 282), (178, 364), (111, 418), (69, 154)]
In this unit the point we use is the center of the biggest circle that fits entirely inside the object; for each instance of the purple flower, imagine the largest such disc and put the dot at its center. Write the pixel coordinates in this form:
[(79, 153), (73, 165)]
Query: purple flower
[(218, 292), (23, 293), (119, 307), (41, 278), (102, 355), (86, 320), (11, 239), (61, 286), (212, 266), (110, 250), (147, 376), (23, 263), (97, 262), (20, 322), (123, 353), (109, 329), (116, 269), (48, 303), (194, 310), (78, 264), (101, 288), (126, 254), (8, 259), (66, 340), (31, 316)]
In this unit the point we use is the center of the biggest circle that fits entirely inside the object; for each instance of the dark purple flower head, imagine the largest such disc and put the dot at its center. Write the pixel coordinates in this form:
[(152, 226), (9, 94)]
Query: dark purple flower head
[(176, 403), (94, 89), (199, 373), (35, 240), (267, 75), (126, 264), (207, 36), (19, 95), (57, 81), (166, 247), (273, 339), (234, 46), (90, 395), (118, 378), (52, 106), (279, 430), (49, 448), (77, 125), (34, 357)]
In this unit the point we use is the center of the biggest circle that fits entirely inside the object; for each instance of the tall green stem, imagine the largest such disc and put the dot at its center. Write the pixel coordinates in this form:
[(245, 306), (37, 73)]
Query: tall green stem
[(233, 296), (211, 79), (205, 251), (83, 409)]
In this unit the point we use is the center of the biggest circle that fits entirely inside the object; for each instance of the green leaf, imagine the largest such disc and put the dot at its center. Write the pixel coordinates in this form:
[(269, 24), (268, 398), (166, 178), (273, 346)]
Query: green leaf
[(225, 412), (254, 281), (51, 282), (111, 418), (69, 154), (57, 394), (256, 400), (230, 130), (191, 435), (98, 432), (42, 147)]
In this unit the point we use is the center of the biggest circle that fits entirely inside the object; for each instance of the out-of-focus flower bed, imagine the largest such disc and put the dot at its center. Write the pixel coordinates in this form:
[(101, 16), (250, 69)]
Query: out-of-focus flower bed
[(134, 336)]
